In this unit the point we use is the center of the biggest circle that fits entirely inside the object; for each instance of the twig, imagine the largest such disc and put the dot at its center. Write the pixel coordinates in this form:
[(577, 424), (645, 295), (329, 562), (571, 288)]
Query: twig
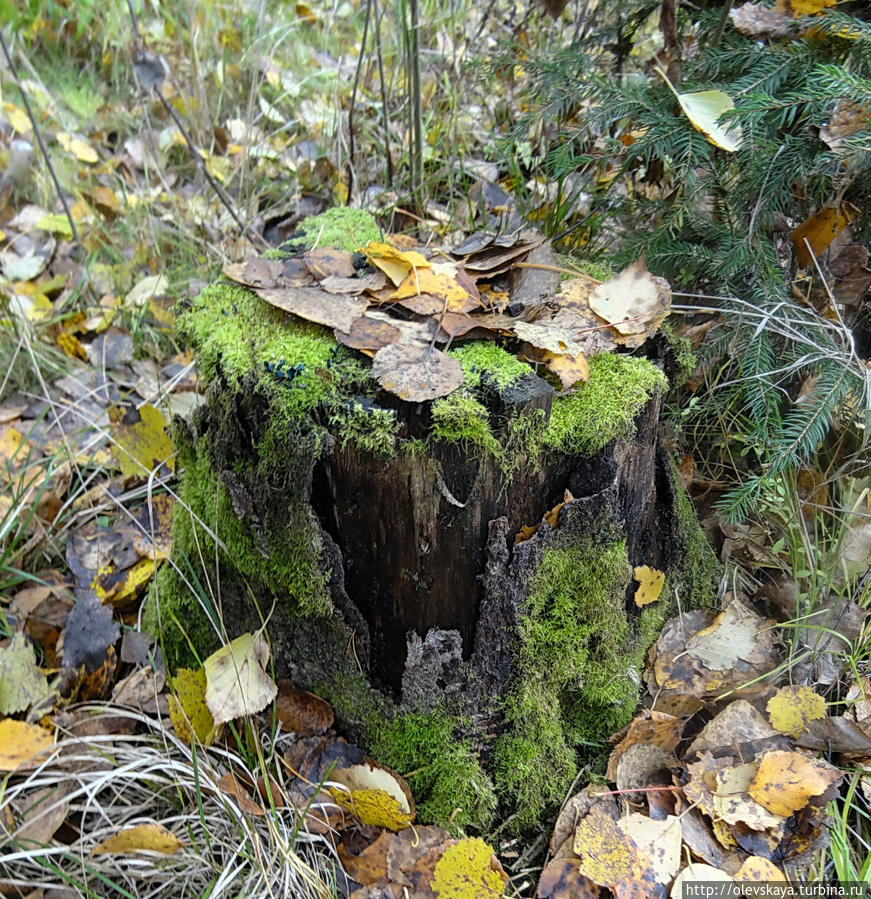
[(39, 140)]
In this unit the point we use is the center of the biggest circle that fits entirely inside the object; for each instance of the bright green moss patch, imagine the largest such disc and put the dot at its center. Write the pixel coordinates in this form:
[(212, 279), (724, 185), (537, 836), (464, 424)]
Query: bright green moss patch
[(348, 229), (604, 408), (577, 667), (449, 785), (459, 418), (480, 357)]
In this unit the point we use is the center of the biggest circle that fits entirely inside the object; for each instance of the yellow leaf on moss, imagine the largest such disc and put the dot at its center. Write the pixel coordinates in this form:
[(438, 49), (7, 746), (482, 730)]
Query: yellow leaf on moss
[(141, 837), (188, 709), (375, 807), (650, 582), (469, 870), (792, 709)]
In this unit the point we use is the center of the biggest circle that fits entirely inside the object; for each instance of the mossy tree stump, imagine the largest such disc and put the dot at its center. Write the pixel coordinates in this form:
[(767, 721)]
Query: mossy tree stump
[(376, 538)]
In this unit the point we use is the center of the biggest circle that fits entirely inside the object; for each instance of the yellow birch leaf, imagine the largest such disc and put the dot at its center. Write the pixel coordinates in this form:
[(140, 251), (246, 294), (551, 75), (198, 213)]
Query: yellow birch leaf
[(792, 709), (650, 582), (141, 441), (22, 745), (141, 837), (17, 118), (79, 147), (786, 781), (375, 807), (704, 109), (396, 264), (187, 707), (469, 870)]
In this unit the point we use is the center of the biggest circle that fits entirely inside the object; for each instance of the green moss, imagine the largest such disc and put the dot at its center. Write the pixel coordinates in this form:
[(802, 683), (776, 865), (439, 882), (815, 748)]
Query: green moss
[(482, 357), (283, 558), (348, 229), (698, 570), (605, 407), (449, 785), (460, 419), (599, 269), (684, 358), (577, 663)]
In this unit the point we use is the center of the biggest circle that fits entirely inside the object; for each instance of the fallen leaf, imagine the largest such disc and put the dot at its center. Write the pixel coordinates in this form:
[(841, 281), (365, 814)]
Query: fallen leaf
[(607, 855), (819, 230), (650, 583), (302, 712), (396, 264), (315, 305), (231, 786), (798, 8), (22, 745), (326, 262), (375, 794), (561, 878), (22, 684), (256, 272), (634, 302), (90, 631), (792, 708), (187, 707), (545, 336), (40, 814), (370, 865), (659, 841), (416, 374), (734, 803), (697, 873), (758, 870), (147, 837), (736, 633), (368, 335), (79, 147), (469, 870), (757, 21), (704, 109), (786, 781), (236, 683), (141, 441)]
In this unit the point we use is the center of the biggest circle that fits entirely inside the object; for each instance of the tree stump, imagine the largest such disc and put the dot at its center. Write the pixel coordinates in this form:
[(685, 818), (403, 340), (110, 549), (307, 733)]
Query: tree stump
[(376, 539)]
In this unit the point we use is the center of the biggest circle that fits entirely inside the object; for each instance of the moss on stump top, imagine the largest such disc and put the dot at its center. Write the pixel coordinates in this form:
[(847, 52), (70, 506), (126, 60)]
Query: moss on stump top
[(310, 380)]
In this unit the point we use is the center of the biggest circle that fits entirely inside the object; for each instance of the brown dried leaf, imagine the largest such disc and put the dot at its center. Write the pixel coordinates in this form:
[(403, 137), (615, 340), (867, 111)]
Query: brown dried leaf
[(302, 712), (561, 878), (819, 230), (256, 272), (316, 305), (634, 302), (416, 374), (757, 21)]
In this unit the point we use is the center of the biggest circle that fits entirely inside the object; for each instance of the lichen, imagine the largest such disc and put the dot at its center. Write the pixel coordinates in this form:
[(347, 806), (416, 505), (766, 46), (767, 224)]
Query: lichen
[(605, 407)]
